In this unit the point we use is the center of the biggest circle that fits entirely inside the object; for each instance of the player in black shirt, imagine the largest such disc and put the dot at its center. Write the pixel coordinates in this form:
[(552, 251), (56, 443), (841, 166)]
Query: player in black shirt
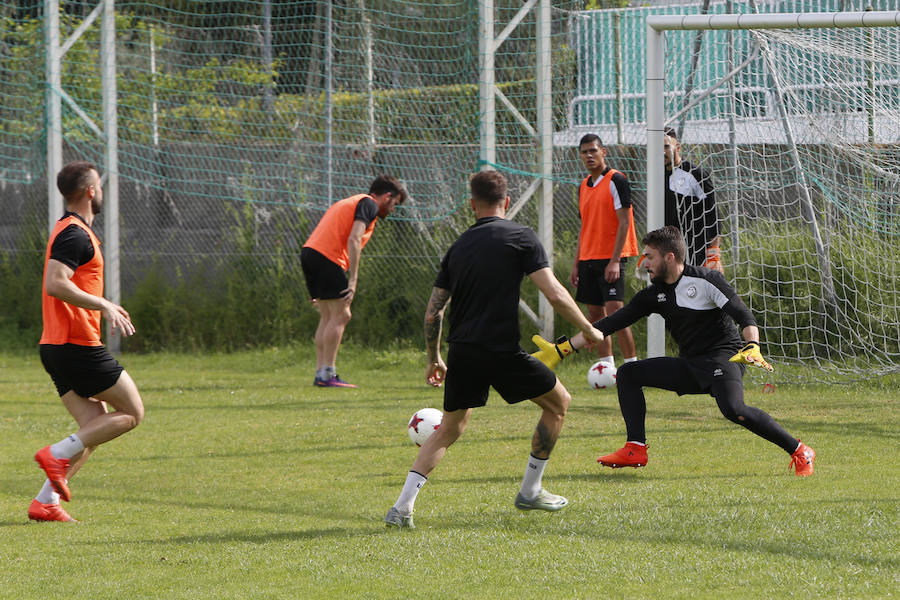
[(698, 306), (483, 272), (690, 205)]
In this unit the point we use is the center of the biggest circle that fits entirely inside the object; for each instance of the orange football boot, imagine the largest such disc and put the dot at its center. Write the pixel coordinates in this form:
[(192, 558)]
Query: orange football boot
[(56, 469), (38, 511), (630, 455), (802, 460)]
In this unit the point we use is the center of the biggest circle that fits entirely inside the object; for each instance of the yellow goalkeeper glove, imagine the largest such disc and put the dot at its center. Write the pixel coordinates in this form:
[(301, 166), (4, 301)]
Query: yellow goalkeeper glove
[(549, 353), (750, 355)]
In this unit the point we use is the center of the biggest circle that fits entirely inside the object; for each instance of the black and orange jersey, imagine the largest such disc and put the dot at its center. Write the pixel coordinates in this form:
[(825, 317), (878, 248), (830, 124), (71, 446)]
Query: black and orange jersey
[(73, 243), (330, 236), (597, 206)]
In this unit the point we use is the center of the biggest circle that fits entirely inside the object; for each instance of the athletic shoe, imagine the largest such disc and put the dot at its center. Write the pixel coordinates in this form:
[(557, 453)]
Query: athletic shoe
[(630, 455), (56, 469), (802, 460), (333, 382), (393, 518), (38, 511), (543, 501)]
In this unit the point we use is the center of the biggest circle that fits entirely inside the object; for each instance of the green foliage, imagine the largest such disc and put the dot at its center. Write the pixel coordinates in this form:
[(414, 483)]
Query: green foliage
[(21, 274), (785, 293)]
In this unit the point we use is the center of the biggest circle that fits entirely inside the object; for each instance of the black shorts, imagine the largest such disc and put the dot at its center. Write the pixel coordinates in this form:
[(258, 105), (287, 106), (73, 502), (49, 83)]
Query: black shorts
[(472, 370), (325, 280), (86, 370), (694, 375), (593, 288)]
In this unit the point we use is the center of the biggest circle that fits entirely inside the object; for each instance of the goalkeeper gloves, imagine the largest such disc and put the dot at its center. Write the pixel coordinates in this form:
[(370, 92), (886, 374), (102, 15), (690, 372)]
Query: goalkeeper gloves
[(549, 353), (750, 355), (714, 258)]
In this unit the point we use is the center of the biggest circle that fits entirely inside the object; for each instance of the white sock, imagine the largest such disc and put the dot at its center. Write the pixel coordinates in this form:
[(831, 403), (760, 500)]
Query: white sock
[(608, 360), (632, 359), (67, 448), (637, 443), (414, 483), (47, 495), (534, 472), (330, 372)]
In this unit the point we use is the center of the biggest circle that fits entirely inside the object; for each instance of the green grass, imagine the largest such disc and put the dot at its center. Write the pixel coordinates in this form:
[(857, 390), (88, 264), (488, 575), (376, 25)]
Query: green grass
[(246, 482)]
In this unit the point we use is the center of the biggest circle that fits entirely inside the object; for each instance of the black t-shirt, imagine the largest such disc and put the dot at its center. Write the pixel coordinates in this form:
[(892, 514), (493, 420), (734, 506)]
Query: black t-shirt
[(73, 246), (366, 211), (691, 207), (700, 310), (483, 270)]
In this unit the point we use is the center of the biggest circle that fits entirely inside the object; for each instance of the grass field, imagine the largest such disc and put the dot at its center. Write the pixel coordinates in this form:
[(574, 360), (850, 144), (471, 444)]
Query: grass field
[(246, 482)]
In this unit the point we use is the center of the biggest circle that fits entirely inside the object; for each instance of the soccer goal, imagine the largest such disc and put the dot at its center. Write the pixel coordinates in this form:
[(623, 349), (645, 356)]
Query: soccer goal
[(797, 118)]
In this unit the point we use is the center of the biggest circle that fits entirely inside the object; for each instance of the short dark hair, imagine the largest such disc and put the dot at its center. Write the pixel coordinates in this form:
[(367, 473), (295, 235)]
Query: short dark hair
[(666, 239), (670, 132), (589, 138), (74, 177), (488, 187), (388, 184)]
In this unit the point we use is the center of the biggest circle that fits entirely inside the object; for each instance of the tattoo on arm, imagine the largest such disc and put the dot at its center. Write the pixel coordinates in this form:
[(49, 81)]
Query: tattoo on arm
[(434, 316)]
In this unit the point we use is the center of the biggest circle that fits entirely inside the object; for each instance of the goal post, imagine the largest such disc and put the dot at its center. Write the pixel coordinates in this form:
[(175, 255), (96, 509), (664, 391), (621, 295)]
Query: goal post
[(803, 125)]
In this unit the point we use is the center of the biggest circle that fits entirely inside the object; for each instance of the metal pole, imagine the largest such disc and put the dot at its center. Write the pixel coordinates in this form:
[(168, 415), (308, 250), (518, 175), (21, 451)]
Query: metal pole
[(695, 58), (543, 79), (656, 340), (620, 103), (329, 92), (268, 92), (113, 289), (370, 74), (733, 216), (488, 135), (53, 110)]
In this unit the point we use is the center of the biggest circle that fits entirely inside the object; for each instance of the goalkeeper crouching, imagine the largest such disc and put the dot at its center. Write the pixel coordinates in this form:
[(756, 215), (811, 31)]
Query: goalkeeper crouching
[(698, 306)]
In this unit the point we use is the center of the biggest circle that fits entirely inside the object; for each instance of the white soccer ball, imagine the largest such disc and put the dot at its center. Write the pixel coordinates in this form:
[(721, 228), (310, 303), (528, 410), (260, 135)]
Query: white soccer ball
[(601, 375), (423, 424)]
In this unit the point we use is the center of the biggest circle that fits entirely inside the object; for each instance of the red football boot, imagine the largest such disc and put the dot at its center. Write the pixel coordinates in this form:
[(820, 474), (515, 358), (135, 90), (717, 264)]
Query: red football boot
[(38, 511), (802, 460), (630, 455), (56, 469)]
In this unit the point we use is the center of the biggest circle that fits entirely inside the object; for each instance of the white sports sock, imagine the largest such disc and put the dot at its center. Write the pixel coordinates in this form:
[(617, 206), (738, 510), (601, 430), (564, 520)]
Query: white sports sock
[(632, 359), (608, 360), (67, 447), (637, 443), (414, 483), (534, 473), (330, 372), (47, 495)]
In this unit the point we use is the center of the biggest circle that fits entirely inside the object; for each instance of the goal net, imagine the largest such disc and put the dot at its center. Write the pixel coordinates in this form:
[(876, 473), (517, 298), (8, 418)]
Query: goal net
[(799, 132)]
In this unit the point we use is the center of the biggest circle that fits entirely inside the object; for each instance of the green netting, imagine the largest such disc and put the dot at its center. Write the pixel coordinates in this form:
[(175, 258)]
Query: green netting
[(237, 128)]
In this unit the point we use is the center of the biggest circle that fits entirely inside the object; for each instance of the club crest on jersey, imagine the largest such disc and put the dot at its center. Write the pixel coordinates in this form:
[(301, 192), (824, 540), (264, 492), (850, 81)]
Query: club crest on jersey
[(660, 297), (691, 291), (717, 373)]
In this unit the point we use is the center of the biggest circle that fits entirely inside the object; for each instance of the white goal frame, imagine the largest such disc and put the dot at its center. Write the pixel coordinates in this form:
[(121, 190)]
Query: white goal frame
[(657, 26)]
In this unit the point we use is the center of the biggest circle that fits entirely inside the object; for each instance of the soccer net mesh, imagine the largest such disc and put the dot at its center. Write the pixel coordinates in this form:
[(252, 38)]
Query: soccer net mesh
[(240, 122), (799, 130)]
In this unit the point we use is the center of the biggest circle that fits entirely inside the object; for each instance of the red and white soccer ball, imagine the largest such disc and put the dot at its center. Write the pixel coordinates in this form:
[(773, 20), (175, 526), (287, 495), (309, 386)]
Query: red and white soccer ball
[(422, 424), (601, 375)]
